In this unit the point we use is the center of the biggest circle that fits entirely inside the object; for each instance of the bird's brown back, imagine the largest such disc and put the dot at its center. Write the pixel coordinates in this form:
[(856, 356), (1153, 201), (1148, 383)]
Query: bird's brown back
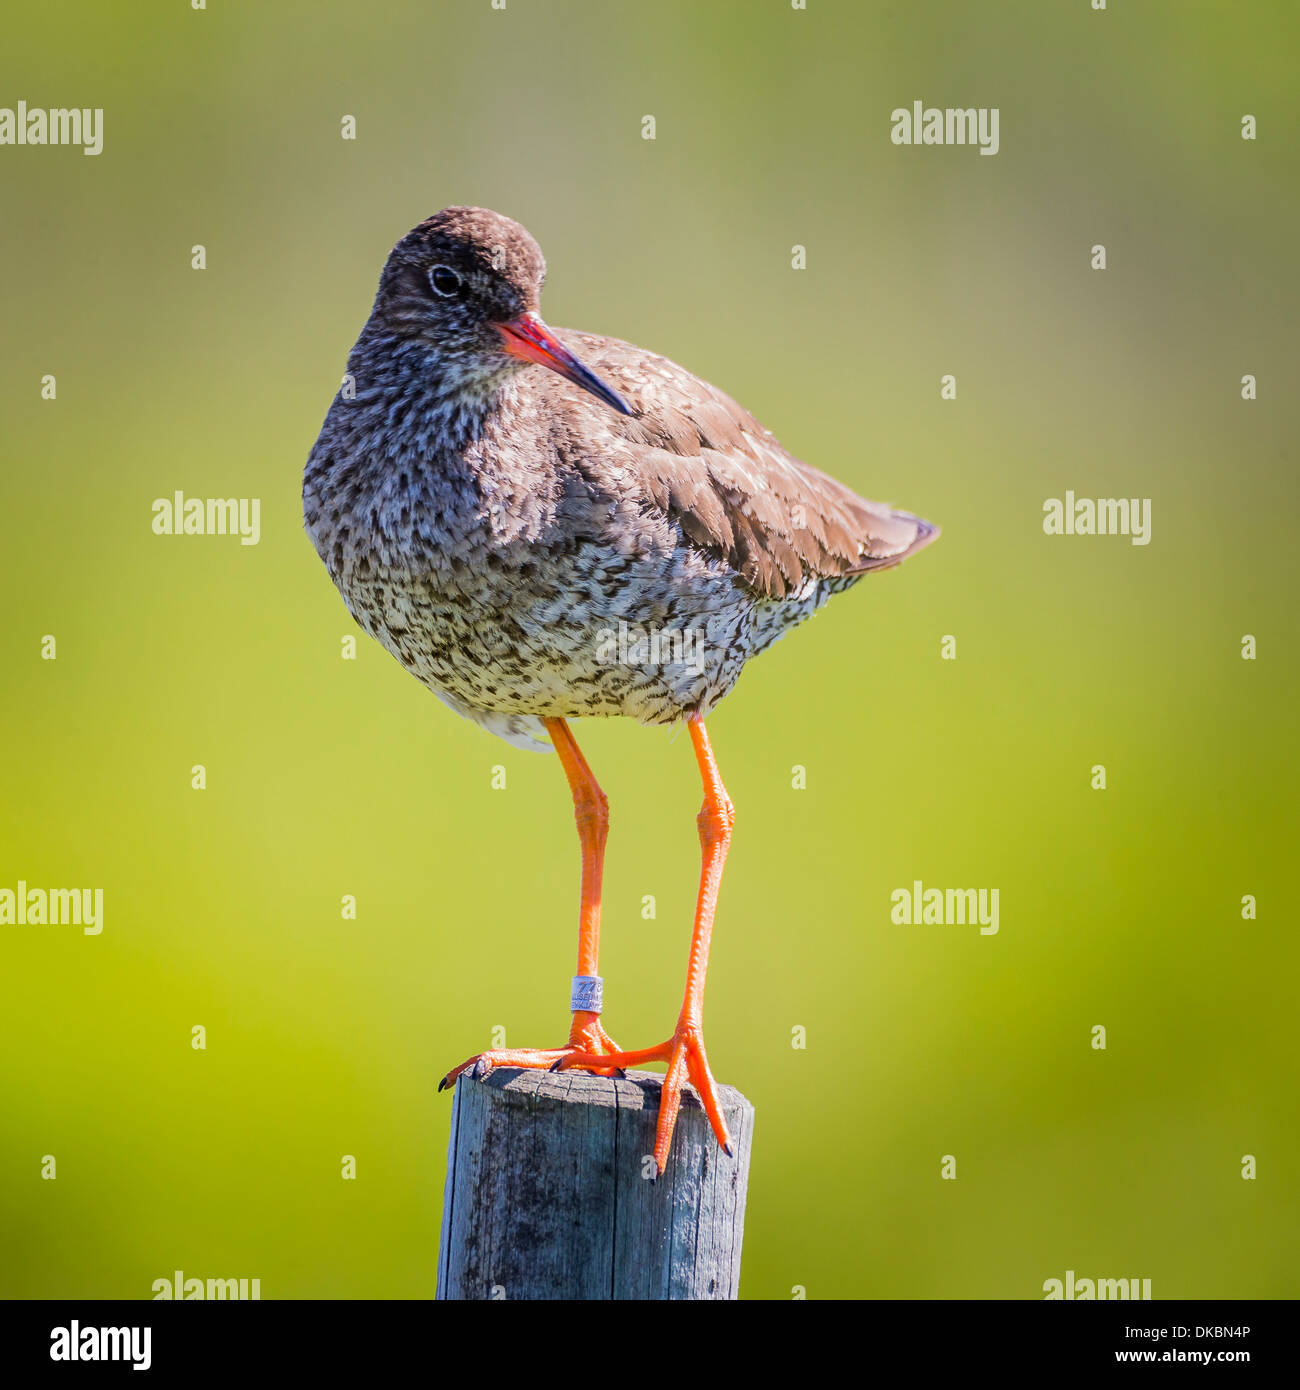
[(702, 460)]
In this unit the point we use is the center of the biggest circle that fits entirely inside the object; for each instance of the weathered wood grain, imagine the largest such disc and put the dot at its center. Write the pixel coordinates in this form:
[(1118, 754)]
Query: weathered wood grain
[(548, 1192)]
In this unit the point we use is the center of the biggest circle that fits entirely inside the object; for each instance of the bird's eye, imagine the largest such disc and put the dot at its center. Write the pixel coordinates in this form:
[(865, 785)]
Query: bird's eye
[(445, 281)]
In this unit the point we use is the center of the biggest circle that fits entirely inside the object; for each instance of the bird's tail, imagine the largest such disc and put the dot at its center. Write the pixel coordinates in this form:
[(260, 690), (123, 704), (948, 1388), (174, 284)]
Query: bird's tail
[(910, 535)]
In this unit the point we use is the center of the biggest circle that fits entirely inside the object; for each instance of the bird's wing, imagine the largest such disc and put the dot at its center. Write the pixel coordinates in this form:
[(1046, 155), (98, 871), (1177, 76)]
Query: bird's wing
[(706, 463)]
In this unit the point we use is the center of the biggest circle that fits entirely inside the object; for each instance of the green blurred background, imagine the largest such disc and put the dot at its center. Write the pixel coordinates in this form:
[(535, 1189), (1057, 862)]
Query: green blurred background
[(325, 777)]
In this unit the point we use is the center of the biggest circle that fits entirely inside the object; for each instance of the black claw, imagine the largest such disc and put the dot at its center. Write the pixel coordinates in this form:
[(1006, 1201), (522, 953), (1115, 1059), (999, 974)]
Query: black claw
[(479, 1070), (556, 1065), (442, 1085), (726, 1149), (620, 1074)]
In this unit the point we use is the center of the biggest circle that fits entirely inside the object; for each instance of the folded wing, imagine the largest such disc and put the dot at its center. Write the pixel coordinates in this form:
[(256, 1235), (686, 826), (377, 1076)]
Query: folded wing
[(706, 463)]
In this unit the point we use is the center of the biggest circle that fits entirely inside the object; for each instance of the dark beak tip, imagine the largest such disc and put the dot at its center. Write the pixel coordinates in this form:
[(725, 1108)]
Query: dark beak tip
[(582, 375)]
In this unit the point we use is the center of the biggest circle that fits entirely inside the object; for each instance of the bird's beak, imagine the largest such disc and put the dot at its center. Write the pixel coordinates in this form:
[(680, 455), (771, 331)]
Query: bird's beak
[(529, 339)]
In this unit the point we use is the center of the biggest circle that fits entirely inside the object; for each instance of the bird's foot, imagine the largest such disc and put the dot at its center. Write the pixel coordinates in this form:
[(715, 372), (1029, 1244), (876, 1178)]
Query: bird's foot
[(684, 1053), (587, 1040)]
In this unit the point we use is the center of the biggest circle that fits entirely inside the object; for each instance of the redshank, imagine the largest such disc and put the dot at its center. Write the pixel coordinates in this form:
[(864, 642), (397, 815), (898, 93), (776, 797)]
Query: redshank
[(611, 536)]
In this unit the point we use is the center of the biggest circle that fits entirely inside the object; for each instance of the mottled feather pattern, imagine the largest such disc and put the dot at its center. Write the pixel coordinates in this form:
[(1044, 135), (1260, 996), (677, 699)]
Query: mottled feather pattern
[(493, 525)]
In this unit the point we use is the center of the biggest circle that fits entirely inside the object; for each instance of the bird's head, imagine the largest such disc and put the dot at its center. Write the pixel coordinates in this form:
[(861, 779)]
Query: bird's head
[(467, 282)]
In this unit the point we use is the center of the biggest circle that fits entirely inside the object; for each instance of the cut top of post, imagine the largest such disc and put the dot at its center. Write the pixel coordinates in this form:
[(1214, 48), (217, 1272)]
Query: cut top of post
[(551, 1191)]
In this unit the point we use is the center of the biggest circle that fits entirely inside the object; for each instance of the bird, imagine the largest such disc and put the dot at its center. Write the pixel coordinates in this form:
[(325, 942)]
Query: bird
[(542, 525)]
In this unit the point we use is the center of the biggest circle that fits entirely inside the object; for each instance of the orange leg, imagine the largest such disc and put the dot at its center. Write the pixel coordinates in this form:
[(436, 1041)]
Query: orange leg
[(586, 1036), (684, 1051)]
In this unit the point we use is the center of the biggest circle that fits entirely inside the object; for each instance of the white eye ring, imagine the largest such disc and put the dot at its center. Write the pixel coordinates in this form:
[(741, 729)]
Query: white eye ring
[(451, 282)]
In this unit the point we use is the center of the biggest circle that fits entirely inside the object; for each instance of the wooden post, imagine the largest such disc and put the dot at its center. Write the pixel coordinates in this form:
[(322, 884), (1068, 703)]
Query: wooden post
[(548, 1191)]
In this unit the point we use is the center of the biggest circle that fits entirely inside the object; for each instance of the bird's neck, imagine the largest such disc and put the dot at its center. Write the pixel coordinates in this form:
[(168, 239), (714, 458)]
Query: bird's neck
[(418, 445), (433, 402)]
